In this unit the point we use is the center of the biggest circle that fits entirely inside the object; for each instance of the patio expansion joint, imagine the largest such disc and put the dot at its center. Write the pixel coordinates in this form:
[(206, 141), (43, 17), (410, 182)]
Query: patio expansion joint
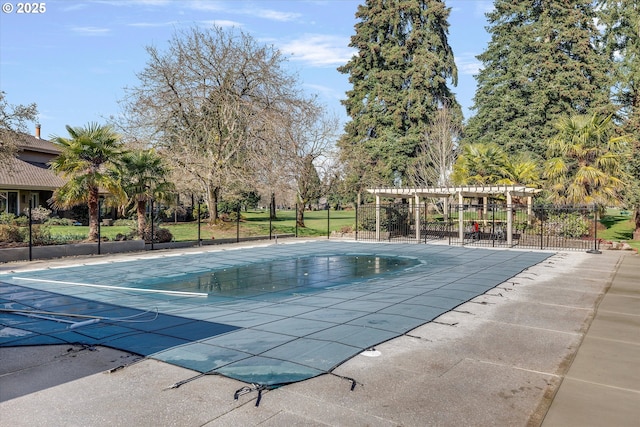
[(535, 328), (504, 365), (631, 390), (601, 338)]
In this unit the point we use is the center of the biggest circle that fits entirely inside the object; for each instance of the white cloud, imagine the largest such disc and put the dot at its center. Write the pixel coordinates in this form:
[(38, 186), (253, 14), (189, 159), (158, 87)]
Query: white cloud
[(134, 2), (204, 5), (319, 50), (483, 7), (91, 31), (468, 64), (273, 15), (325, 91), (221, 23), (73, 7), (154, 24), (270, 14)]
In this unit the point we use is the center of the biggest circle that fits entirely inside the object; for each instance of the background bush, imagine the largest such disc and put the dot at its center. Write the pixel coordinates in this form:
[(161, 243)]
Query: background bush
[(10, 233)]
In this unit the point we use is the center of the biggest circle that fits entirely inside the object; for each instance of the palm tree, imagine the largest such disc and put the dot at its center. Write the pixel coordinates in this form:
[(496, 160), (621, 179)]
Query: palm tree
[(489, 164), (143, 174), (85, 158), (586, 161)]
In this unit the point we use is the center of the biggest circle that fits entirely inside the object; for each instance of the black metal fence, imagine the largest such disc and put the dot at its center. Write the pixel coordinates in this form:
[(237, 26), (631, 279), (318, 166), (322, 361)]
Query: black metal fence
[(536, 227)]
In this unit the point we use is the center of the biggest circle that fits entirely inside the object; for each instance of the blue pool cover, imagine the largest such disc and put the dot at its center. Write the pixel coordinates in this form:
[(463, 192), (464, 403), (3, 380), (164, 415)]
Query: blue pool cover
[(266, 315)]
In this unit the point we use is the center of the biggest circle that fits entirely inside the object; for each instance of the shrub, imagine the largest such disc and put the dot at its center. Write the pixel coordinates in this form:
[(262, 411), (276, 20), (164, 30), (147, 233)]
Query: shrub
[(204, 211), (7, 218), (59, 221), (346, 229), (22, 221), (567, 225), (160, 235), (40, 235), (67, 238), (391, 219), (10, 233), (38, 214), (125, 222)]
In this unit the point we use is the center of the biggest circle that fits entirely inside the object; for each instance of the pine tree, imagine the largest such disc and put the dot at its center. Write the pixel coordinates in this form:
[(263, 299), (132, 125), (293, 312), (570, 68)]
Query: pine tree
[(400, 78), (542, 63)]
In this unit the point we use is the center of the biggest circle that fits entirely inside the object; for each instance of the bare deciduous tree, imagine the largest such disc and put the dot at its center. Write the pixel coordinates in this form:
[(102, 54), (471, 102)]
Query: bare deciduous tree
[(310, 137), (13, 119), (214, 102), (436, 152)]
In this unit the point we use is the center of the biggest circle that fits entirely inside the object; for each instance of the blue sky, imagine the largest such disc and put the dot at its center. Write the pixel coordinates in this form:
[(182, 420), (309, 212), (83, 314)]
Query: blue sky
[(74, 59)]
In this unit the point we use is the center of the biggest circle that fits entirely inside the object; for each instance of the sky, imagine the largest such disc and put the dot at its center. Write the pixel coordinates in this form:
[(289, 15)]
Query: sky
[(75, 57)]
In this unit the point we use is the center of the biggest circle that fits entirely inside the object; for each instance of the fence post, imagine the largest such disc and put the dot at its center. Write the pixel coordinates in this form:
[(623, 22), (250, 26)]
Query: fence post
[(152, 231), (30, 231), (296, 220), (493, 225), (595, 232), (271, 211), (542, 213), (328, 222), (356, 231), (199, 238), (238, 223), (99, 220)]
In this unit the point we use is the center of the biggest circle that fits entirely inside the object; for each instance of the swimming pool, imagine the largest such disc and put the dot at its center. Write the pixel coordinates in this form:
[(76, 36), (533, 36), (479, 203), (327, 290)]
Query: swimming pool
[(267, 315)]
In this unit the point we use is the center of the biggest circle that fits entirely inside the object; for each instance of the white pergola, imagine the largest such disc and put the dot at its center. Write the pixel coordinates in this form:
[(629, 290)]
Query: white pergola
[(415, 194)]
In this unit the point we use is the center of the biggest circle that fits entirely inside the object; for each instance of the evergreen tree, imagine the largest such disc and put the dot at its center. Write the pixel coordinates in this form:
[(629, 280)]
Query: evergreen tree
[(542, 63), (400, 78), (621, 21)]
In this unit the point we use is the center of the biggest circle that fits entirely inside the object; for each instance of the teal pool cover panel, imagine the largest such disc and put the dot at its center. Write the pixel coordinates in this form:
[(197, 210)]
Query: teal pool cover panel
[(266, 315)]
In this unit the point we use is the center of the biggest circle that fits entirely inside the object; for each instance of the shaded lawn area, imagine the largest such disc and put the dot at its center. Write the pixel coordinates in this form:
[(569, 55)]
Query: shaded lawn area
[(619, 226)]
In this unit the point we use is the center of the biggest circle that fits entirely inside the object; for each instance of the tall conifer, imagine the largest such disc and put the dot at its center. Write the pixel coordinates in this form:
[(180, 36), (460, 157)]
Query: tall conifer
[(543, 62), (621, 22), (400, 78)]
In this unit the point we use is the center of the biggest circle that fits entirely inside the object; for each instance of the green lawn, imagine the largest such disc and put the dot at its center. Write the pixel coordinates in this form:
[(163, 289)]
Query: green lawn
[(253, 223), (256, 223), (619, 227)]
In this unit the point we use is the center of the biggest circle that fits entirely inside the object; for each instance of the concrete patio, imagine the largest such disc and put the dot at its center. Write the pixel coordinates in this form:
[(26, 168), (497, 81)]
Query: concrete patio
[(557, 345)]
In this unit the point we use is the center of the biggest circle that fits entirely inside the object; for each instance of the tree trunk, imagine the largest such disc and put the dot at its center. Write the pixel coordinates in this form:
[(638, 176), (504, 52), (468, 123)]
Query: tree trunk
[(212, 204), (300, 214), (141, 210), (93, 214)]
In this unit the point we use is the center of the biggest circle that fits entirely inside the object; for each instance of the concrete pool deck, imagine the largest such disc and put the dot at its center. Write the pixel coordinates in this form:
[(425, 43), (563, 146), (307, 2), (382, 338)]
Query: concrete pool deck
[(557, 344)]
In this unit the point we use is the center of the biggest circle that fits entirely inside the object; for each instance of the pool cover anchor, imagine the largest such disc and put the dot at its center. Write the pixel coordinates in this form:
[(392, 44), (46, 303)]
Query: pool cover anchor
[(353, 381), (188, 380), (248, 389)]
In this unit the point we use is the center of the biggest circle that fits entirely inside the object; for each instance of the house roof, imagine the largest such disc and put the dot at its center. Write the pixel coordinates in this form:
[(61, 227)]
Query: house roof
[(20, 175), (31, 143)]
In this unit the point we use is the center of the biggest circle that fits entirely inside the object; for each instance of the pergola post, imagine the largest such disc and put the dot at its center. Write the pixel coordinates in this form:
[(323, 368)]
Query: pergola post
[(460, 217), (509, 219), (416, 211), (485, 202), (529, 209), (445, 208), (377, 217)]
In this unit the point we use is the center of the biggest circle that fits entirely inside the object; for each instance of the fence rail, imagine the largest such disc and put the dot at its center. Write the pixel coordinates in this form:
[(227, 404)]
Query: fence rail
[(491, 225), (536, 227)]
